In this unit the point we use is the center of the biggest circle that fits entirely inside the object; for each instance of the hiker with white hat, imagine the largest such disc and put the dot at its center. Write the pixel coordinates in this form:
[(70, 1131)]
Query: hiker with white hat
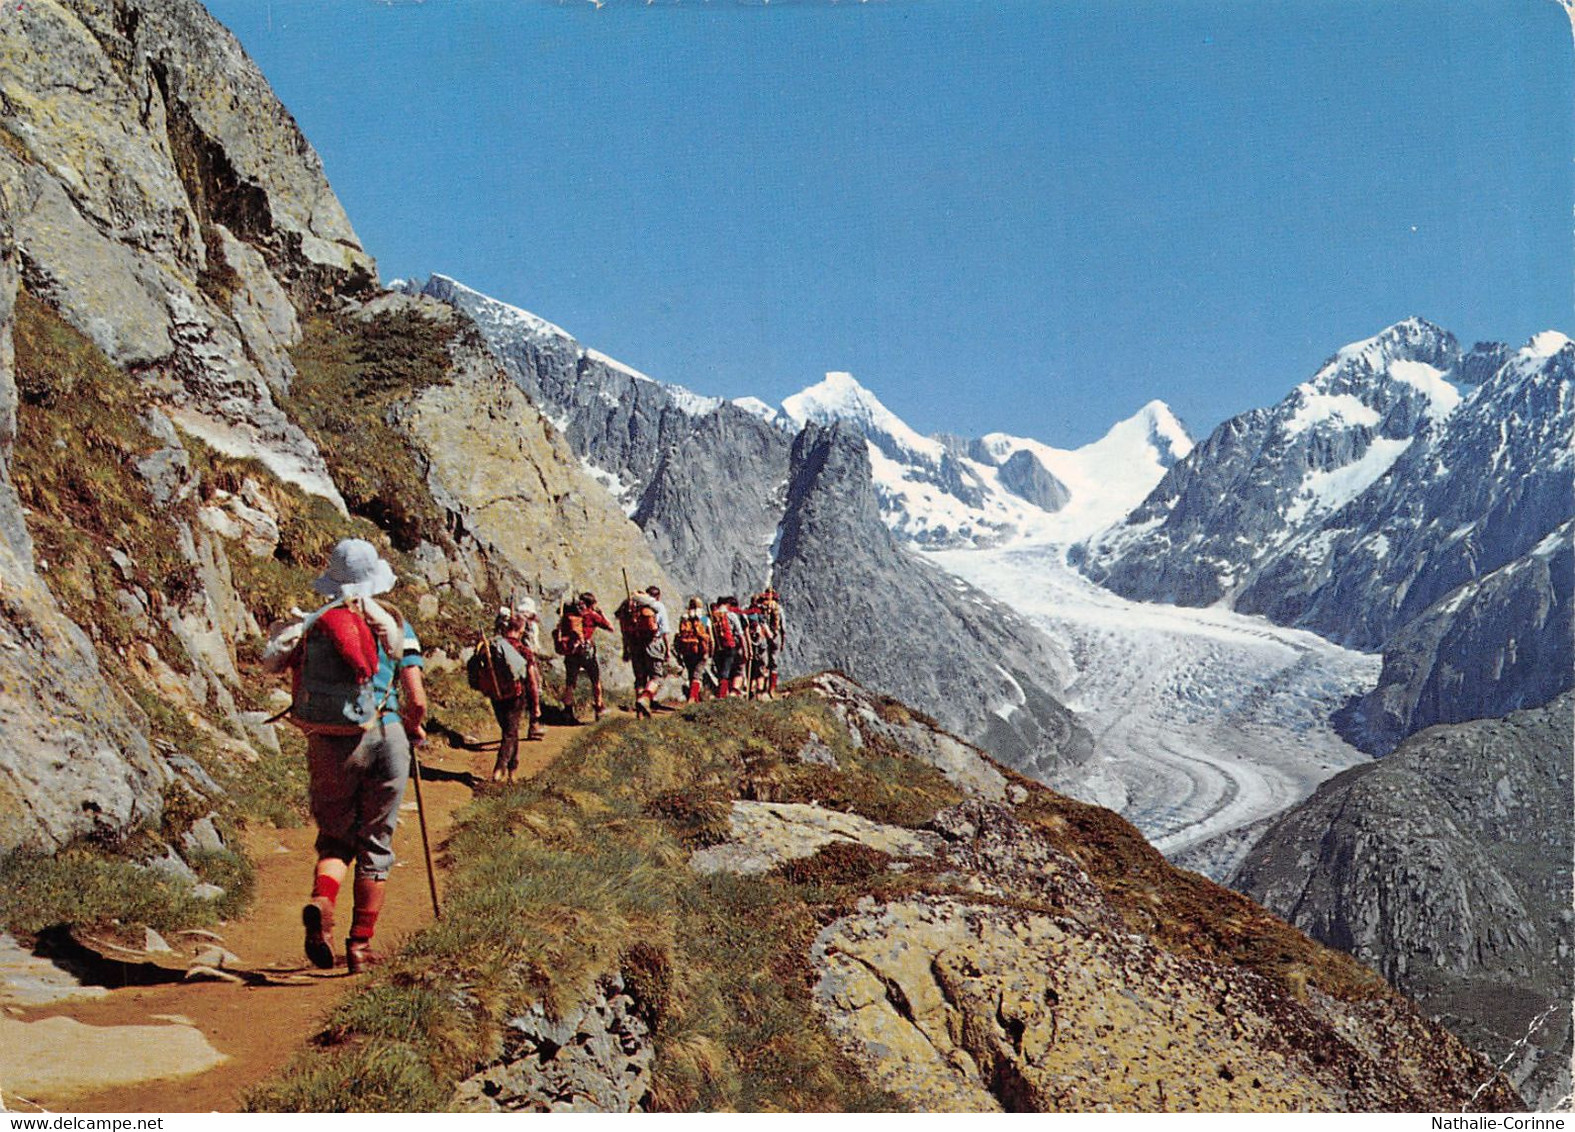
[(360, 699), (528, 618)]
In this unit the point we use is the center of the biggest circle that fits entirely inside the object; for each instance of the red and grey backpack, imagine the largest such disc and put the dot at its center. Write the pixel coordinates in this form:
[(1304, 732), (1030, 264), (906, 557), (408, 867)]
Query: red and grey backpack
[(722, 627), (327, 698)]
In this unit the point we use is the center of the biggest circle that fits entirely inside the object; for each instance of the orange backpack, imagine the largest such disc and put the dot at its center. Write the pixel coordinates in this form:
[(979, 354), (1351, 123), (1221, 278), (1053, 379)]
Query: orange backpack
[(694, 639), (569, 635)]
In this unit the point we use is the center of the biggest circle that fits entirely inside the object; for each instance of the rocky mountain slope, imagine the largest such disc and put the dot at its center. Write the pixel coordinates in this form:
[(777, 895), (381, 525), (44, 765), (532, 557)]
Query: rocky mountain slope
[(1439, 866), (1376, 506), (848, 582), (827, 904), (731, 495), (200, 389)]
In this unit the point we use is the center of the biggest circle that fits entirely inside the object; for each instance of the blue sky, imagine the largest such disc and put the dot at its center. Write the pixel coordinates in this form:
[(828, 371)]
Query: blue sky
[(1029, 216)]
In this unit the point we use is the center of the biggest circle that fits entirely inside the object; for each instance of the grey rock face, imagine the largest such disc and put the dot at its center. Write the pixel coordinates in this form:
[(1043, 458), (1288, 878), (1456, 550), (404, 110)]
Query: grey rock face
[(1447, 867), (168, 206), (1024, 475), (711, 506), (14, 540), (597, 1059), (1497, 644), (862, 604), (156, 195), (73, 761)]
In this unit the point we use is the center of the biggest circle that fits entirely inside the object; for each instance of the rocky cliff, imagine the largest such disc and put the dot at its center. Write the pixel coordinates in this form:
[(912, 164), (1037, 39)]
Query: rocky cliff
[(200, 389), (159, 202), (1446, 866), (864, 605)]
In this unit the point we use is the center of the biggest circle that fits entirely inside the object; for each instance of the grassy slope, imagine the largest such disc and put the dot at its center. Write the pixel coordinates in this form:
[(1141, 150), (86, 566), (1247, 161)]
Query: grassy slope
[(584, 870)]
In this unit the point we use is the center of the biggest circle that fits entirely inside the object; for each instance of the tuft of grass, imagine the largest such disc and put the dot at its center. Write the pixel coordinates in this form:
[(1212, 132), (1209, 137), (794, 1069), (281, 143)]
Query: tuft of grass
[(371, 1076), (84, 883), (16, 147), (840, 863)]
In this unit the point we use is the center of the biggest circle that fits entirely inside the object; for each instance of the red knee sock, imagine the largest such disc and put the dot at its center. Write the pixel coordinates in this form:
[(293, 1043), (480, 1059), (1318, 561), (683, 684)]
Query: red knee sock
[(369, 895), (326, 887)]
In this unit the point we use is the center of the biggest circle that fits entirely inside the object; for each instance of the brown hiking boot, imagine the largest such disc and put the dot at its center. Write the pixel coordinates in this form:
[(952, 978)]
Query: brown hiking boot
[(359, 956), (318, 920), (536, 732)]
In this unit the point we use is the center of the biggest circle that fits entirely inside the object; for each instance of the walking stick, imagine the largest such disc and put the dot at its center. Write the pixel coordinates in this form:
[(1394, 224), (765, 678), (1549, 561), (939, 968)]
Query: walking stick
[(426, 843)]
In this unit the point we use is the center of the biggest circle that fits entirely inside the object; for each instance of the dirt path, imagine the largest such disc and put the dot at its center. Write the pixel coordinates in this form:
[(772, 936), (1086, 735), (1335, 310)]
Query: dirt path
[(258, 1028)]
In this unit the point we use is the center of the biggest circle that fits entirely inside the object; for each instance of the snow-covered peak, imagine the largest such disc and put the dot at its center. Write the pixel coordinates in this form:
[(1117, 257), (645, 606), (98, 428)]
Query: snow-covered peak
[(1107, 478), (1414, 338), (1357, 386), (500, 322), (1545, 344), (755, 407), (1547, 357), (1153, 429), (841, 398)]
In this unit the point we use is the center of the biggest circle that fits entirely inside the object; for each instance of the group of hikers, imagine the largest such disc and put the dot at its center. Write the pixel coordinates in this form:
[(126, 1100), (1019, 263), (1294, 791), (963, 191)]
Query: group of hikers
[(731, 647), (358, 694)]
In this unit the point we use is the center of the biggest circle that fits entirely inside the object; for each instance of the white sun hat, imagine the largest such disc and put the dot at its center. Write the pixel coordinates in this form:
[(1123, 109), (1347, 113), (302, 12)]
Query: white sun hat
[(355, 569)]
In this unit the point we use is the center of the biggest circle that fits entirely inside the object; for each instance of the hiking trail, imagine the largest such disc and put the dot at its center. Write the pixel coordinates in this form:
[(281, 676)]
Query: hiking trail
[(197, 1046)]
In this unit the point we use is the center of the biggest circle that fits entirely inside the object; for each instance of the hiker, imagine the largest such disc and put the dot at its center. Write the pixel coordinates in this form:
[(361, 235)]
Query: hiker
[(641, 618), (692, 644), (755, 634), (663, 625), (530, 640), (359, 696), (729, 645), (574, 639), (500, 669), (771, 621)]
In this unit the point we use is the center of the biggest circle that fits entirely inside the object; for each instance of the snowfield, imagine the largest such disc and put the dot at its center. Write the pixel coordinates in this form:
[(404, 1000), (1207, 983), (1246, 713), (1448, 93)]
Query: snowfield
[(1207, 723)]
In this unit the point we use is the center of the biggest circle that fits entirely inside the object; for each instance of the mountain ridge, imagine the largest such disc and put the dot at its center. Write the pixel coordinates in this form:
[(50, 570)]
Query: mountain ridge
[(711, 484)]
